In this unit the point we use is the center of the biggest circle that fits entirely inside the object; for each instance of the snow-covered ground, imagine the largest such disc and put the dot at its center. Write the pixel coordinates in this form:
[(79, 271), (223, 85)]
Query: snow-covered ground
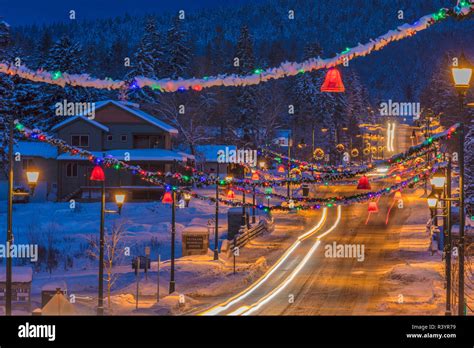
[(199, 279)]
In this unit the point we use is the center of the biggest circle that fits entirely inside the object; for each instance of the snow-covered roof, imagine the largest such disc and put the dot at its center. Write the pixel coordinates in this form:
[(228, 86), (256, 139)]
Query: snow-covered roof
[(134, 109), (209, 152), (129, 107), (20, 274), (87, 119), (52, 286), (36, 149), (135, 155)]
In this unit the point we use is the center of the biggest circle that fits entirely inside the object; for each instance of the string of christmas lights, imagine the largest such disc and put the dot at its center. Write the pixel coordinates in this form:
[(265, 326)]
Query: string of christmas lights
[(204, 179), (463, 9)]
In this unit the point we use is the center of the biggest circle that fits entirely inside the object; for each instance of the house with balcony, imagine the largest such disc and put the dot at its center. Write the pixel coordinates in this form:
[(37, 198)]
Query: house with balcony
[(118, 129)]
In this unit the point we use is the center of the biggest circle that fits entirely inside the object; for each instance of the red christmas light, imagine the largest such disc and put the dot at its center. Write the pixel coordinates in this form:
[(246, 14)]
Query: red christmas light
[(230, 194), (333, 82), (373, 208), (255, 176), (281, 169), (363, 183), (167, 198), (97, 174)]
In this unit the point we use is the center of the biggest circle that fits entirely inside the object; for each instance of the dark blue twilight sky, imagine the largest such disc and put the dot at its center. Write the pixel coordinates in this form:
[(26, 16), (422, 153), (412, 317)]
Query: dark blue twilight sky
[(21, 12)]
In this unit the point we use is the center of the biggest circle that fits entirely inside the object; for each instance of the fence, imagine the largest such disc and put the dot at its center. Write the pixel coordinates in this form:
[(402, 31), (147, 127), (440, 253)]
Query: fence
[(247, 234)]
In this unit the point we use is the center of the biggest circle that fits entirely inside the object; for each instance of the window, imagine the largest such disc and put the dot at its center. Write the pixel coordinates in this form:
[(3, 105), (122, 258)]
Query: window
[(80, 140), (71, 170), (27, 164), (149, 141), (110, 137), (123, 137)]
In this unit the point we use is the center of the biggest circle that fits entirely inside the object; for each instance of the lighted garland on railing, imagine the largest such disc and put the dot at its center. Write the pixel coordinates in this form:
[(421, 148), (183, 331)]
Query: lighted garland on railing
[(462, 10)]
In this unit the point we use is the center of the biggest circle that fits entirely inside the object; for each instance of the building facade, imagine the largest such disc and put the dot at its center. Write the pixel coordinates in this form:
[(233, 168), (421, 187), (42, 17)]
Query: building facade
[(118, 129)]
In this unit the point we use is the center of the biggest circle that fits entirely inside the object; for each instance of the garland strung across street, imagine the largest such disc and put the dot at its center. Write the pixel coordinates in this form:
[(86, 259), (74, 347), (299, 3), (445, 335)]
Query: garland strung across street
[(413, 152), (200, 178), (397, 175), (330, 201), (463, 9)]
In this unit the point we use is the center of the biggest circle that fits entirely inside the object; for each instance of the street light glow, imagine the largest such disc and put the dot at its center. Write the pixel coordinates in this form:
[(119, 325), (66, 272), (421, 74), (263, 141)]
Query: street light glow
[(32, 177), (432, 200), (438, 180), (462, 77)]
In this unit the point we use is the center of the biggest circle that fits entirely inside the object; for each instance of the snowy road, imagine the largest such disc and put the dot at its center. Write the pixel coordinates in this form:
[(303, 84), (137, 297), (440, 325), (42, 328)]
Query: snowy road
[(308, 282)]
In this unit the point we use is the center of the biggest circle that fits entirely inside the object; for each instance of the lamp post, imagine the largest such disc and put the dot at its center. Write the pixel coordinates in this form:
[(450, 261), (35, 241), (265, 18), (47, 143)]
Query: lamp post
[(244, 217), (433, 201), (98, 175), (170, 198), (289, 166), (32, 178), (441, 183), (216, 229), (462, 74)]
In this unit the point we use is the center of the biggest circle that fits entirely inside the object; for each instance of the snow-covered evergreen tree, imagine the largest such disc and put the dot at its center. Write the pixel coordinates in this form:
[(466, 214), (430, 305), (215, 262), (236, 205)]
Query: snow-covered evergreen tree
[(65, 56), (178, 52), (148, 61), (247, 118)]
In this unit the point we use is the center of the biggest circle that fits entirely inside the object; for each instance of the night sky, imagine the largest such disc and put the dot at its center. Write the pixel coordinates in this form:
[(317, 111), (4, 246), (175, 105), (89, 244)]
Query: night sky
[(21, 12)]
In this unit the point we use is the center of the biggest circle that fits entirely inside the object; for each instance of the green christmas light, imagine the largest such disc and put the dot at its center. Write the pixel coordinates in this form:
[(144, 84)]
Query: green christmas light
[(156, 87), (258, 71), (56, 75), (19, 126)]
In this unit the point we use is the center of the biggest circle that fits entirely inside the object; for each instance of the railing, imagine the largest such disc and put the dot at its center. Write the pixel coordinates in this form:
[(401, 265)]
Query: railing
[(245, 235)]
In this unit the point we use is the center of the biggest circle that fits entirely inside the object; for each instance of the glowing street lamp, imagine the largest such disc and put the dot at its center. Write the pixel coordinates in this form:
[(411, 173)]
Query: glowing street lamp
[(438, 180), (32, 178), (432, 200), (462, 74), (119, 199)]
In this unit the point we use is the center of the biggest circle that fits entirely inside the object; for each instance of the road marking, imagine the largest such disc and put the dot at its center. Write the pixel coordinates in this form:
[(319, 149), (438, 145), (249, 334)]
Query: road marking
[(240, 296), (295, 272)]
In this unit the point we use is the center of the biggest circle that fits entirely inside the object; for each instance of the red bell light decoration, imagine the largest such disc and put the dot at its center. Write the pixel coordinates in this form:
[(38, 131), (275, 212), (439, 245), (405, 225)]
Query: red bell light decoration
[(281, 169), (167, 198), (398, 179), (97, 174), (333, 82), (255, 176), (373, 207), (230, 194), (363, 183)]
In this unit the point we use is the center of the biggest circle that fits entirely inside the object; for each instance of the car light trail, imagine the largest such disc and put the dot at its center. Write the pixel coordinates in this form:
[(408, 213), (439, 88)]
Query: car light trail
[(222, 307), (295, 272)]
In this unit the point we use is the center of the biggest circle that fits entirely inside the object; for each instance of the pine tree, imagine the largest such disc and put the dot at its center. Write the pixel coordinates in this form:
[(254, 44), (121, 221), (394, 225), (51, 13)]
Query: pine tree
[(147, 62), (65, 56), (247, 117), (178, 53)]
